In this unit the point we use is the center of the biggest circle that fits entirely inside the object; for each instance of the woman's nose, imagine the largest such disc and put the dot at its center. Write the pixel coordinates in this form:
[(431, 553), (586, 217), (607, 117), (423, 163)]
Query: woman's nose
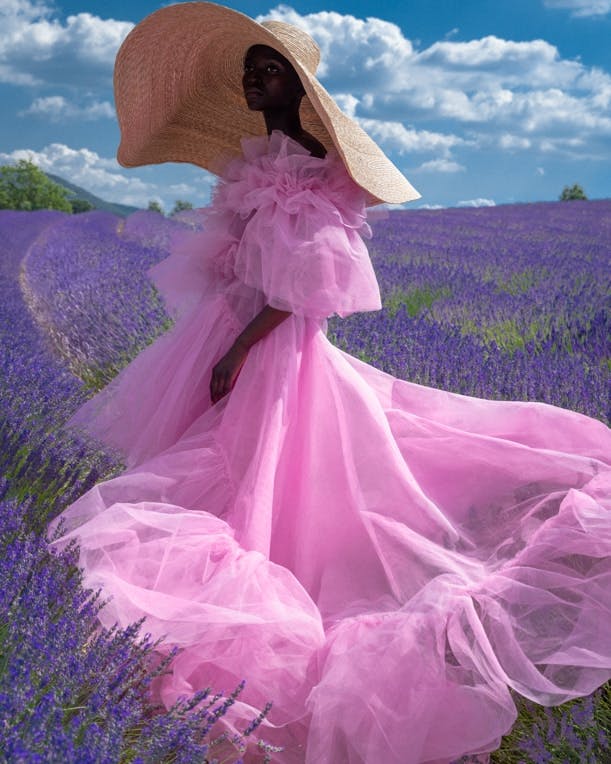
[(252, 77)]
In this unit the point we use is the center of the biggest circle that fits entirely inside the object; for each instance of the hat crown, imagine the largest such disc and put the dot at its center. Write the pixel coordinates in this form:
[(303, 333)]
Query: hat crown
[(298, 42)]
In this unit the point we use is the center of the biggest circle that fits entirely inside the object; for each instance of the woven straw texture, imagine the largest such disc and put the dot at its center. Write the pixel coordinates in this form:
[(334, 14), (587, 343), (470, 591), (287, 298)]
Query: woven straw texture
[(179, 96)]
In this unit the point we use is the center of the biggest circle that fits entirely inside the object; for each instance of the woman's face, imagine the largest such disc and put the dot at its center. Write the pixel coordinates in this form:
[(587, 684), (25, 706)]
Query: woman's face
[(269, 81)]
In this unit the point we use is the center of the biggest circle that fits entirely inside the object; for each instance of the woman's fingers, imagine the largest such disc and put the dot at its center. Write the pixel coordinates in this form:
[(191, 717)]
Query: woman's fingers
[(225, 374), (214, 385), (220, 385)]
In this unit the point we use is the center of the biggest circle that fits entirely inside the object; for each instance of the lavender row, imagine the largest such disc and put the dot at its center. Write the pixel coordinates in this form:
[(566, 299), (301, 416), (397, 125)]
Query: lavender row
[(88, 288), (512, 274), (67, 689), (508, 302), (422, 351), (154, 230), (72, 691), (37, 392)]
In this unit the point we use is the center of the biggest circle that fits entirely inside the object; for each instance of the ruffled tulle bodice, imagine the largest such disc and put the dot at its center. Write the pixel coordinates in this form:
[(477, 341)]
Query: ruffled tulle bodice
[(284, 224), (381, 559)]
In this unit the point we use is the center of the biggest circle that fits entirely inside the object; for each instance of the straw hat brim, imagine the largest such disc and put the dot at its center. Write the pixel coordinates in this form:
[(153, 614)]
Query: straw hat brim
[(179, 98)]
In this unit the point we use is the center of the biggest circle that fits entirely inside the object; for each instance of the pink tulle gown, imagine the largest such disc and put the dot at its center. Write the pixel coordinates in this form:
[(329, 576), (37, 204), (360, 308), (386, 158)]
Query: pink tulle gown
[(382, 560)]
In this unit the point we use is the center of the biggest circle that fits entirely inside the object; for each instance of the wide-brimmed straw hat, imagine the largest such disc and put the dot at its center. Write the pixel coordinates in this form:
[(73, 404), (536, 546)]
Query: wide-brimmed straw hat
[(179, 95)]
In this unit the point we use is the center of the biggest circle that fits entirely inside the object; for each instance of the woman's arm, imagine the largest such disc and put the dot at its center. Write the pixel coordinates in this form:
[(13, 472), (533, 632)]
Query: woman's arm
[(227, 370)]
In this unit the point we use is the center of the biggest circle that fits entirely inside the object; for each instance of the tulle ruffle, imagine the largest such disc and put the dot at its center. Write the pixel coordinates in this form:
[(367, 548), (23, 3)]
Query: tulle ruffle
[(283, 224)]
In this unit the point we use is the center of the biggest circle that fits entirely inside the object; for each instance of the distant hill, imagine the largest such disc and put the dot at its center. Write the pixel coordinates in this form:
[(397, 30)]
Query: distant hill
[(76, 192)]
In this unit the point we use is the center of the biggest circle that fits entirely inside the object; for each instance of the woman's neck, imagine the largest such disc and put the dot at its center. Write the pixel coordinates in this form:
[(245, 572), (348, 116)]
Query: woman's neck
[(287, 122), (290, 124)]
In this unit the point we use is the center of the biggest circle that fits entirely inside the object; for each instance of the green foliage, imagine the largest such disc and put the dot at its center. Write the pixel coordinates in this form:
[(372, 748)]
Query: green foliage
[(520, 282), (507, 334), (81, 205), (180, 205), (24, 186), (573, 192), (154, 206), (576, 732), (415, 300)]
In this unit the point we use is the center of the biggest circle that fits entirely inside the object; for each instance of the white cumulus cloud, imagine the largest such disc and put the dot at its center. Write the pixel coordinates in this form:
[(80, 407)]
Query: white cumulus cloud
[(476, 203), (351, 48), (441, 165), (58, 109), (36, 47), (104, 177), (394, 136), (488, 51), (86, 168), (514, 142), (582, 7), (399, 94)]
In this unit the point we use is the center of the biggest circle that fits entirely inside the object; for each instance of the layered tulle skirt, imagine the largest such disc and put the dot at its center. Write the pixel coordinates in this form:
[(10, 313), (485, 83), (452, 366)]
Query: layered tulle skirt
[(380, 559)]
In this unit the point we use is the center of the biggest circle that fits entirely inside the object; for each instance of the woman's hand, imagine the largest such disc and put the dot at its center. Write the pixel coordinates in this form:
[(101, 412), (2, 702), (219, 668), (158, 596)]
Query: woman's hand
[(226, 371)]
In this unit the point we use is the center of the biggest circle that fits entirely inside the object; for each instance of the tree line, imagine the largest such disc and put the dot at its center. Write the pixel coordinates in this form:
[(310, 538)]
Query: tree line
[(23, 186), (179, 206)]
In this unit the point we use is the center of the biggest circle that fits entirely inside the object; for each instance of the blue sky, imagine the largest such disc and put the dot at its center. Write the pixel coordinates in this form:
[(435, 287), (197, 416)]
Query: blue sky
[(477, 101)]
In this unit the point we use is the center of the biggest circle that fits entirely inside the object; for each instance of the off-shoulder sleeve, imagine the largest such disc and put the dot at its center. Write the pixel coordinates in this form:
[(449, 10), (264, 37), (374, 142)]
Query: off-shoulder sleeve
[(302, 243), (198, 263)]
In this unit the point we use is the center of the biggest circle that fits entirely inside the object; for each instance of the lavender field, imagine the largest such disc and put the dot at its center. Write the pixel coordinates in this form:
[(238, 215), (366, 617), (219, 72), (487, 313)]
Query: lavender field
[(509, 302)]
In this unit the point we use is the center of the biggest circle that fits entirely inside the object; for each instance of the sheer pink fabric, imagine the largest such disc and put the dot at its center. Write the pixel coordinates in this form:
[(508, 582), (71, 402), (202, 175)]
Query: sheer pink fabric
[(381, 559)]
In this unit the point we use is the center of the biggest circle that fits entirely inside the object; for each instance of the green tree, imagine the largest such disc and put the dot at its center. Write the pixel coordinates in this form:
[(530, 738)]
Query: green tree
[(179, 206), (154, 206), (81, 205), (573, 192), (23, 186)]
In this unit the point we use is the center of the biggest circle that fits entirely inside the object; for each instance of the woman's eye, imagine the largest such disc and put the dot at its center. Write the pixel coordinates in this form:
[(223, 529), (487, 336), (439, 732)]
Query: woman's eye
[(273, 68)]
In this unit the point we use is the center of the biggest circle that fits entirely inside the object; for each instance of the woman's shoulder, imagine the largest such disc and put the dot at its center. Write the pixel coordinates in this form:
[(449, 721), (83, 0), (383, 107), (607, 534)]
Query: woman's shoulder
[(278, 169), (311, 144), (280, 153)]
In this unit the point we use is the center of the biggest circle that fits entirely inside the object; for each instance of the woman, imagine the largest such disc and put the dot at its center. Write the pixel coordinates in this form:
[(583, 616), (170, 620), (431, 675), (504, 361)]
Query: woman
[(381, 559), (272, 86)]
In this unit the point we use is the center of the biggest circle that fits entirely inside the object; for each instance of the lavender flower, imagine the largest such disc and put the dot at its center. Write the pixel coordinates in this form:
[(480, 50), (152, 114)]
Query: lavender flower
[(70, 689)]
